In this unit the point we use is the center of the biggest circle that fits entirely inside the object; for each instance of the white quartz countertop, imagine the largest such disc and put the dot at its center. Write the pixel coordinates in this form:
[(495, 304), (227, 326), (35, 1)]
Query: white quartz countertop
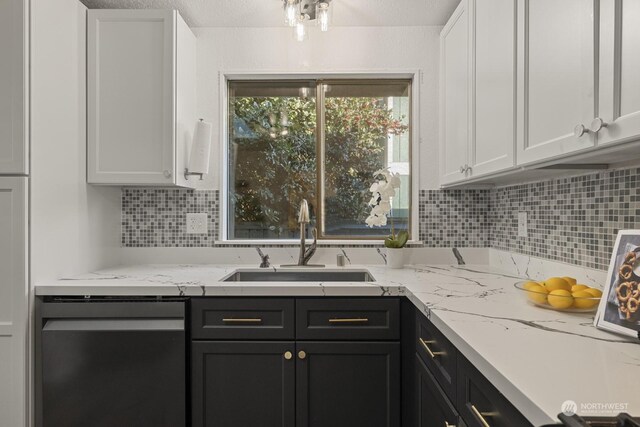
[(537, 358)]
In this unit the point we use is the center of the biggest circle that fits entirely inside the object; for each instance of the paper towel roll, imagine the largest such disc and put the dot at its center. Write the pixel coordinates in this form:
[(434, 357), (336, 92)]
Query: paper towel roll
[(201, 148)]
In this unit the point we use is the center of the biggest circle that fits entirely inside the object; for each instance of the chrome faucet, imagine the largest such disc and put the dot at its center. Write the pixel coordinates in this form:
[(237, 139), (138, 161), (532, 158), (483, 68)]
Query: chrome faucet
[(305, 252), (303, 220)]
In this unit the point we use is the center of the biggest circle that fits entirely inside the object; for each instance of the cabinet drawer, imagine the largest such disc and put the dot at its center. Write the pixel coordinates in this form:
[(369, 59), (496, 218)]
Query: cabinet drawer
[(434, 407), (481, 404), (348, 319), (242, 318), (438, 354)]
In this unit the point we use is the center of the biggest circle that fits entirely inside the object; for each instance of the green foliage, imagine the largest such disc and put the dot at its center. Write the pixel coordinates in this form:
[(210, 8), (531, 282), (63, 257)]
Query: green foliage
[(272, 175), (397, 242)]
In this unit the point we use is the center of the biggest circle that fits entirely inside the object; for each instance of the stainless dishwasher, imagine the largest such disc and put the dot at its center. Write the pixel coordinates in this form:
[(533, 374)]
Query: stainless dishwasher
[(110, 362)]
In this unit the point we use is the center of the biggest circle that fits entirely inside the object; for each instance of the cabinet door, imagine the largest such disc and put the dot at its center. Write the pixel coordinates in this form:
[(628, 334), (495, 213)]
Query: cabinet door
[(454, 102), (243, 384), (131, 96), (13, 300), (348, 384), (434, 408), (556, 77), (493, 101), (619, 90), (13, 87)]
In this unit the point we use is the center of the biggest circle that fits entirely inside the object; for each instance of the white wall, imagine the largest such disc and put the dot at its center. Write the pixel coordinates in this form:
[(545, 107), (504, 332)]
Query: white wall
[(342, 49), (75, 227)]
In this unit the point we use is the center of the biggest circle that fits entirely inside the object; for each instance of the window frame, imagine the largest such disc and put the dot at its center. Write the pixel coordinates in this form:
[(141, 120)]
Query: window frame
[(323, 78)]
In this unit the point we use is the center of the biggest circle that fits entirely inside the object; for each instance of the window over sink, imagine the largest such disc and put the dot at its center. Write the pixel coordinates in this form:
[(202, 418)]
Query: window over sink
[(319, 140)]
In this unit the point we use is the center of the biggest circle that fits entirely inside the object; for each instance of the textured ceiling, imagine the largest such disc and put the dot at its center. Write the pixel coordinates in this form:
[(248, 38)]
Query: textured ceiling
[(268, 13)]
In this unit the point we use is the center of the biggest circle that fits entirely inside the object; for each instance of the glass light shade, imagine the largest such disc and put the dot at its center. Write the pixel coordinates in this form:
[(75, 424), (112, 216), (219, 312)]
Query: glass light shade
[(291, 13), (322, 15), (300, 31)]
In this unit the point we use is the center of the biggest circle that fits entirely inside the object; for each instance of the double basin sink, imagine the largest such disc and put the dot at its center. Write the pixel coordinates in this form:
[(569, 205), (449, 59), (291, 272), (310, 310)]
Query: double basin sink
[(269, 275)]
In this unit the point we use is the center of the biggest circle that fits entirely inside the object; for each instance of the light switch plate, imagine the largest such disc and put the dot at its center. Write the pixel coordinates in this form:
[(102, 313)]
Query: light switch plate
[(197, 223), (523, 227)]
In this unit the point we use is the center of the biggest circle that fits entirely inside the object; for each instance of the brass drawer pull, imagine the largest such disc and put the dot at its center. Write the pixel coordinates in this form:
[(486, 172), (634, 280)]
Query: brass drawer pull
[(433, 354), (446, 424), (232, 320), (349, 320), (480, 415)]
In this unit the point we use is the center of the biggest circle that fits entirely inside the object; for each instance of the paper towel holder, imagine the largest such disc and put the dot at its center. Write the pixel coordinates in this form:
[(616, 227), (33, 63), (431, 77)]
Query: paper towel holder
[(199, 159)]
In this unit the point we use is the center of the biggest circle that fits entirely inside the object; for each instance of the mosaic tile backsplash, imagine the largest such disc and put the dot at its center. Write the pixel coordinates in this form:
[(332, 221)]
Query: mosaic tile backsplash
[(573, 219), (157, 217), (454, 218)]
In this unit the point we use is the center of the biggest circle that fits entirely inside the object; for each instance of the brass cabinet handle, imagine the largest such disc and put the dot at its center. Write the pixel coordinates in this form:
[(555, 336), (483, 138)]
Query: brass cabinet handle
[(349, 320), (234, 320), (302, 355), (446, 424), (480, 416), (433, 354), (288, 355)]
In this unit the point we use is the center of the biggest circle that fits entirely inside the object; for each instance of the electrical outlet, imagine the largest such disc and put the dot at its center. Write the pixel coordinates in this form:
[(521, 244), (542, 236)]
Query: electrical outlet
[(523, 230), (197, 223)]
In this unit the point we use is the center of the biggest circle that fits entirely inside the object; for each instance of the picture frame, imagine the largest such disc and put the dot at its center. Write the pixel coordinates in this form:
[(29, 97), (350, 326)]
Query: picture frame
[(619, 309)]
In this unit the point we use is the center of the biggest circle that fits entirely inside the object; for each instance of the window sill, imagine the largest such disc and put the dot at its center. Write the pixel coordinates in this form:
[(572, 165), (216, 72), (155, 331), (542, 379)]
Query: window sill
[(321, 243)]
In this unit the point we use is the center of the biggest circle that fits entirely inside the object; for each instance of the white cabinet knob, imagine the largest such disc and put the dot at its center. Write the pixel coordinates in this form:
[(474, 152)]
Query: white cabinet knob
[(597, 124), (580, 130), (167, 174)]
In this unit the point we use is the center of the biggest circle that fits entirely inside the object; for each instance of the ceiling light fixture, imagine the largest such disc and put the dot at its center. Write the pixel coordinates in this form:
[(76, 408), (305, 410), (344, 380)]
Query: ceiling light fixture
[(322, 15), (299, 13), (290, 12)]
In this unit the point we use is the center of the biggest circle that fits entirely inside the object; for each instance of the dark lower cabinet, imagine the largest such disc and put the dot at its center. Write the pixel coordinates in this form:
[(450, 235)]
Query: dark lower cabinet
[(434, 407), (349, 379), (348, 384), (481, 404), (450, 391), (244, 383)]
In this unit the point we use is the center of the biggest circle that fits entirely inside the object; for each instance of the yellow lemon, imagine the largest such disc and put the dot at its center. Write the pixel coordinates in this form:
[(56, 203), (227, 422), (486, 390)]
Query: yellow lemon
[(595, 292), (528, 285), (560, 298), (537, 294), (571, 280), (576, 288), (583, 299), (555, 283)]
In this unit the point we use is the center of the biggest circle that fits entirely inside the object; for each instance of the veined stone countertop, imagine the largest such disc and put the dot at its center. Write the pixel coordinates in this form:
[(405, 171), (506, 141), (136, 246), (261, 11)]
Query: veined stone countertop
[(537, 358)]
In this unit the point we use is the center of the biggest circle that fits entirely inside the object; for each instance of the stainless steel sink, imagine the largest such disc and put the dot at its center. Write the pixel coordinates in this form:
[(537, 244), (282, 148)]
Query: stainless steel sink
[(299, 276)]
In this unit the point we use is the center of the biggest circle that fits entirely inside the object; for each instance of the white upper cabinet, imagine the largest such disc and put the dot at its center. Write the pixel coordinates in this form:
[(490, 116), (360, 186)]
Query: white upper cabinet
[(14, 87), (556, 70), (493, 77), (454, 99), (619, 101), (141, 97)]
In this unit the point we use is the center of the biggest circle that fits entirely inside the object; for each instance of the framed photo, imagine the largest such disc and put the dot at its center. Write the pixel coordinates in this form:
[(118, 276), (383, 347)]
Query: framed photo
[(619, 309)]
